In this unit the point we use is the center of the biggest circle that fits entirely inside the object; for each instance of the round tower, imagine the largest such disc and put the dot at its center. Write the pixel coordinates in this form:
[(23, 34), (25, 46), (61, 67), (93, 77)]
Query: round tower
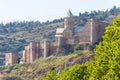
[(69, 21)]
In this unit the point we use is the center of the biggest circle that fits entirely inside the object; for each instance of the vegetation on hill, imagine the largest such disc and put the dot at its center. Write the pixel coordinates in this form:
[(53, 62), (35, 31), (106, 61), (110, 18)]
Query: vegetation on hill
[(38, 69), (104, 66), (15, 35)]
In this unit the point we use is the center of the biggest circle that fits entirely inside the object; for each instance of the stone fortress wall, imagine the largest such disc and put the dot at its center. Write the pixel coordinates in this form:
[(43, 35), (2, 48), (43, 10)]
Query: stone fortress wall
[(91, 33)]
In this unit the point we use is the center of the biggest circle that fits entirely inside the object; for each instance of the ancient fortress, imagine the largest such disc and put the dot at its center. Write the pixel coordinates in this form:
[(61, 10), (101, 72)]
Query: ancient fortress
[(69, 35)]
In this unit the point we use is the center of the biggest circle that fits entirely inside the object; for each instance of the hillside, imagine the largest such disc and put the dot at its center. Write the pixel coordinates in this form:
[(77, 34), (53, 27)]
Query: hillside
[(104, 66), (38, 69), (15, 35)]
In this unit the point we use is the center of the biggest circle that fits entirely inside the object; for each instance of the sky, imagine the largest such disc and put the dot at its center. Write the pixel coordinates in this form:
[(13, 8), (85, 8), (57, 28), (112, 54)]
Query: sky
[(43, 10)]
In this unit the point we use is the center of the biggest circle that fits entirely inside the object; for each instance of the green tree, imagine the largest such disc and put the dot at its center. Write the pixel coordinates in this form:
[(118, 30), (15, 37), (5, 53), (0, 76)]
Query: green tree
[(52, 75), (76, 72), (108, 52)]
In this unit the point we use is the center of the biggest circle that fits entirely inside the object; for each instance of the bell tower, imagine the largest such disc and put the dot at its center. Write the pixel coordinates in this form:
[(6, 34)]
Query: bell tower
[(69, 21)]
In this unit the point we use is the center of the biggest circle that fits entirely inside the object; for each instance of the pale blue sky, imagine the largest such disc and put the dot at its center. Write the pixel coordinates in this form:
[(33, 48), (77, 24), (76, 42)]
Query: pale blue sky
[(42, 10)]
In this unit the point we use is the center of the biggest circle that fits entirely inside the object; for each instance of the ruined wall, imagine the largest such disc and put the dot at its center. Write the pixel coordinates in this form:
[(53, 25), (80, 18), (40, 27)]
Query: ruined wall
[(26, 54), (84, 35), (53, 48), (101, 29), (94, 24), (92, 32), (37, 50), (11, 58), (47, 45), (32, 52)]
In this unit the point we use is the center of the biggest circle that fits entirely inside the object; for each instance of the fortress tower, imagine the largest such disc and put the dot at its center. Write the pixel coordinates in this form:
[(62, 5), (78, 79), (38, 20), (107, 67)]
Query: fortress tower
[(34, 51), (94, 25), (71, 34), (97, 29), (69, 21), (92, 31), (46, 48), (11, 58)]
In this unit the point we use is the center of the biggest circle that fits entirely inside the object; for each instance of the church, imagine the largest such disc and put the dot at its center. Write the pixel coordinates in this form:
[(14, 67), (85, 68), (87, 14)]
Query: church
[(70, 34), (90, 33)]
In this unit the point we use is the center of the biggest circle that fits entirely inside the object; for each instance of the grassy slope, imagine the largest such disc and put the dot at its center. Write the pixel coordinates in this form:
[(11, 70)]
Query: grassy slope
[(32, 71)]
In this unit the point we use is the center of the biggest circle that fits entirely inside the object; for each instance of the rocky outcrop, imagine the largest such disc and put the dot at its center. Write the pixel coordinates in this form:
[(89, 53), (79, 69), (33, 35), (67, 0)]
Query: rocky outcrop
[(78, 59)]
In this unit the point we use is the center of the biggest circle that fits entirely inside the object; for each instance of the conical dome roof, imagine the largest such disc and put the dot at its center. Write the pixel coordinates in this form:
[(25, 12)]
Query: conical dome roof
[(69, 14)]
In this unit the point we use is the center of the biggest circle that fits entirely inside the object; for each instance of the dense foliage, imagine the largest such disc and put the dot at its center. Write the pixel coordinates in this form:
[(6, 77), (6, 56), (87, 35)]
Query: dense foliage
[(106, 63), (15, 35)]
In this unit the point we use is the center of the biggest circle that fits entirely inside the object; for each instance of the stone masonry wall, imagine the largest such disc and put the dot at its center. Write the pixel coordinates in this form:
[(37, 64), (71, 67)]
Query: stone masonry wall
[(11, 58)]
